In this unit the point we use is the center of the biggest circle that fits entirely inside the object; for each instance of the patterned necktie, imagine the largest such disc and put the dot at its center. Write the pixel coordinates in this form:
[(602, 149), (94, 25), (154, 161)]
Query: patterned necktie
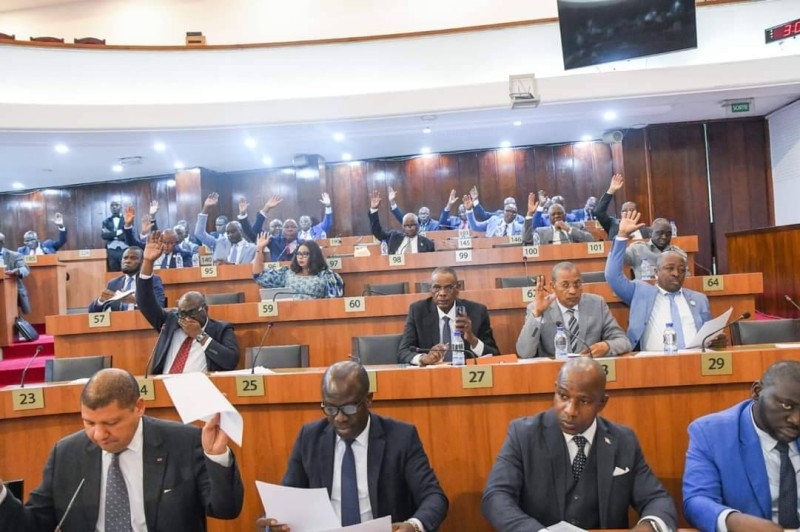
[(787, 491), (572, 325), (118, 506), (128, 283), (580, 459), (234, 254), (676, 319), (351, 514), (182, 356), (165, 262)]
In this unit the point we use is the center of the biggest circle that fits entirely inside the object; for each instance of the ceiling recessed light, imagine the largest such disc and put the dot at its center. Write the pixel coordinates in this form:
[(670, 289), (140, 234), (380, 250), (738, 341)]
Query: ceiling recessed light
[(250, 142), (426, 130), (505, 144), (266, 160), (116, 168), (609, 115), (62, 148), (159, 146), (17, 185), (170, 182), (586, 138), (346, 156), (517, 123), (178, 165), (425, 150), (338, 137)]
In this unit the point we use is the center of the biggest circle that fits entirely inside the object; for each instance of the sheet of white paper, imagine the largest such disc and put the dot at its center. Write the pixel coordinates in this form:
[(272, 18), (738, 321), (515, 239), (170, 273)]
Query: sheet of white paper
[(563, 526), (788, 345), (119, 294), (195, 397), (709, 327), (382, 524), (309, 510)]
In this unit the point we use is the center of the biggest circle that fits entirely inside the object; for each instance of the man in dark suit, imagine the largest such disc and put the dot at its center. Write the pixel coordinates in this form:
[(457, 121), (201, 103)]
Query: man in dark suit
[(407, 241), (741, 465), (111, 232), (428, 325), (608, 222), (34, 247), (15, 267), (569, 464), (131, 263), (351, 446), (586, 318), (189, 340), (177, 474)]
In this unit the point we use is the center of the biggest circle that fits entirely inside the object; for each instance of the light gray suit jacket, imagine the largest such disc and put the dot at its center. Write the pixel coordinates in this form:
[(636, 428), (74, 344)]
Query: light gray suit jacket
[(576, 234), (595, 324)]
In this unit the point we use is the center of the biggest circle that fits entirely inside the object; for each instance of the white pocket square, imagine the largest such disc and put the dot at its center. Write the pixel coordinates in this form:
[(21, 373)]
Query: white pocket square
[(618, 471)]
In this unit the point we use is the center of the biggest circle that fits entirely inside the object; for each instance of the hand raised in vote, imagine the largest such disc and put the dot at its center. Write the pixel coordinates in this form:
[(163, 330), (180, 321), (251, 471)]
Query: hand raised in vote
[(129, 215), (616, 183), (391, 194), (374, 199), (154, 247), (263, 241), (243, 205), (541, 297), (214, 439), (272, 525), (533, 204), (452, 199), (272, 202), (473, 193), (211, 200), (629, 223), (325, 199), (467, 201)]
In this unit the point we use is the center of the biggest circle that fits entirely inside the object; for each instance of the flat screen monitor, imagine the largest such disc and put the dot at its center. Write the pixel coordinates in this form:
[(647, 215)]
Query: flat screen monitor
[(602, 31)]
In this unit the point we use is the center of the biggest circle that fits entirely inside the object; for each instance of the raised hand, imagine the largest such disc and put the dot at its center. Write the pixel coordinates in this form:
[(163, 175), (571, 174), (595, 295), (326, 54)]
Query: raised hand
[(452, 199), (243, 205), (541, 297), (617, 182), (215, 441), (532, 204), (154, 247), (129, 215), (272, 202), (147, 224), (153, 208), (374, 199), (263, 241), (473, 193), (467, 201), (629, 223), (391, 195), (326, 199), (58, 219), (543, 198), (210, 201)]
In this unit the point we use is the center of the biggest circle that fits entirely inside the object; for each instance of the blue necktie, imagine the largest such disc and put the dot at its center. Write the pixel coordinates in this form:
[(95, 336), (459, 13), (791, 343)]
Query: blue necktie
[(118, 506), (128, 284), (234, 254), (676, 319), (351, 514)]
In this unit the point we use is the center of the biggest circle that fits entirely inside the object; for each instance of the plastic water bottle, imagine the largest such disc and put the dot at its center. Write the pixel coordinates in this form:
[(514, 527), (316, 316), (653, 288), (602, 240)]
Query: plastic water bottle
[(647, 270), (561, 342), (195, 260), (670, 339), (178, 260), (536, 241), (674, 228), (457, 345)]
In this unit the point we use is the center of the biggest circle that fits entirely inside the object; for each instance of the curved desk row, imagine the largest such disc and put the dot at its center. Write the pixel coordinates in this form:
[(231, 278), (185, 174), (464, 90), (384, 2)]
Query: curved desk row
[(462, 428), (327, 325)]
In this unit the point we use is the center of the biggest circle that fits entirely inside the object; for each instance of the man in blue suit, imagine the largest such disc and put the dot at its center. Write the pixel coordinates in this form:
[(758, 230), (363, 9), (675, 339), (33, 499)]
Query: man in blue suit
[(742, 463), (131, 263), (352, 447), (34, 247), (506, 224), (652, 307)]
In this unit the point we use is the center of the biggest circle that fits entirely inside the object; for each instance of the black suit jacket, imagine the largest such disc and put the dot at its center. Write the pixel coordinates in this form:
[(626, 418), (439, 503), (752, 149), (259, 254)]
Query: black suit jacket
[(609, 223), (222, 353), (181, 486), (395, 238), (422, 328), (118, 283), (527, 485), (108, 233), (401, 481)]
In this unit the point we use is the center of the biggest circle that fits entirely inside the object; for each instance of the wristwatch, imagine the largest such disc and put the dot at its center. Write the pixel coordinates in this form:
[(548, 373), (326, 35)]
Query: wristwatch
[(200, 338)]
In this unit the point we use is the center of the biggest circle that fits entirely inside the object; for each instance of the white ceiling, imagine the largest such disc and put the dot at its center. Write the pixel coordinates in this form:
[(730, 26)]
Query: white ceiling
[(30, 159), (8, 6)]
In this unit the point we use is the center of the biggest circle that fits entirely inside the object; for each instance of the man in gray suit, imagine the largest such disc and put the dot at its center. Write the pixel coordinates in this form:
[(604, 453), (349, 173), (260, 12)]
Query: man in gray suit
[(569, 464), (558, 231), (591, 328), (130, 471)]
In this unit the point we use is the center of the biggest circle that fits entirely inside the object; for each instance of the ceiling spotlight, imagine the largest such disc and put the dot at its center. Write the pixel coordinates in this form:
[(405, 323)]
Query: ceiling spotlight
[(62, 148), (517, 123), (610, 115), (266, 160), (425, 150), (17, 185), (159, 146), (505, 144), (426, 130), (250, 142), (178, 165), (116, 168), (338, 137), (586, 138), (346, 156)]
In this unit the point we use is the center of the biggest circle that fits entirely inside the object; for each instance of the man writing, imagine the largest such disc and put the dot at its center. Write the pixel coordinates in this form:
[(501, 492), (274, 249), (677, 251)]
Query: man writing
[(131, 264), (372, 466), (138, 473), (570, 464), (591, 328), (742, 463)]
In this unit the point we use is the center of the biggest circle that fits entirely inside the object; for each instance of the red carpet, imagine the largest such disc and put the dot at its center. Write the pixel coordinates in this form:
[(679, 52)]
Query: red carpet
[(16, 356)]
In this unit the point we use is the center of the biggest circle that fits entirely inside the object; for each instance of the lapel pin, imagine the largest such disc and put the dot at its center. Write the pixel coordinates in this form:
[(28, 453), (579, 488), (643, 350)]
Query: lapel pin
[(607, 439), (159, 459), (692, 303)]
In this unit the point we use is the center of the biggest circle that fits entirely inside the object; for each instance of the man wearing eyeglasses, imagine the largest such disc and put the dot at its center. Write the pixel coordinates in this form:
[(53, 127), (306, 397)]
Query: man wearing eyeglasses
[(591, 328), (431, 322), (33, 246), (189, 340), (372, 466), (397, 242), (498, 225)]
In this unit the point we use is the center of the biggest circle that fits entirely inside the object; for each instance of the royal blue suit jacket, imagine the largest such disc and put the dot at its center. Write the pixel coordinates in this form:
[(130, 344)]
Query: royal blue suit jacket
[(400, 480), (640, 296), (48, 246), (432, 225), (725, 468)]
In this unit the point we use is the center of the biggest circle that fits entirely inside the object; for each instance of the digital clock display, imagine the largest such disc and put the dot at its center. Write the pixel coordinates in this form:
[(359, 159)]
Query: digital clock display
[(782, 31)]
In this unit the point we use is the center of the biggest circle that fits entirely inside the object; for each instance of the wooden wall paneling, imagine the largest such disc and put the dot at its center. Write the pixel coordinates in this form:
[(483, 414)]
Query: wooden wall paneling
[(447, 178), (525, 173), (565, 175), (738, 163), (309, 190), (342, 198), (506, 176), (490, 189), (468, 173), (544, 169), (358, 186), (634, 147), (188, 199)]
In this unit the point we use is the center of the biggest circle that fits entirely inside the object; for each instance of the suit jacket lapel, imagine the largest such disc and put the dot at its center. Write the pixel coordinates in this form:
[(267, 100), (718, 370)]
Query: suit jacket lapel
[(91, 467), (694, 308), (154, 462), (327, 445), (753, 460), (377, 445), (430, 326), (558, 458), (605, 445)]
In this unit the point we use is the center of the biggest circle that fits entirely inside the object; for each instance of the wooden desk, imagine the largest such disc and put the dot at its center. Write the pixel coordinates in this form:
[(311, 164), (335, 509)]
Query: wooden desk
[(47, 287), (8, 307), (462, 430), (86, 272), (327, 327)]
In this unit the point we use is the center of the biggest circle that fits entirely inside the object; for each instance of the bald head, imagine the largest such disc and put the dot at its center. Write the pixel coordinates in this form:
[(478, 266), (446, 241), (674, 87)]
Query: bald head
[(585, 370), (346, 375), (110, 385)]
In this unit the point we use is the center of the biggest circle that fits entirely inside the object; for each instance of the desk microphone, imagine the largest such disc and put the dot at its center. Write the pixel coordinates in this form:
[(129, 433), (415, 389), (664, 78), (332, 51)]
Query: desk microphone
[(578, 338), (69, 506), (260, 345), (743, 316), (790, 300), (28, 365), (531, 280), (373, 292)]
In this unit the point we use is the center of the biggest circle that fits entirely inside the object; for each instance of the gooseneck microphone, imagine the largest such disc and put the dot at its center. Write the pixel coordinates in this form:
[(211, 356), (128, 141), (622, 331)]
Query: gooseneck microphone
[(373, 292), (569, 335), (69, 506), (790, 300), (743, 316), (28, 365), (467, 351), (260, 346)]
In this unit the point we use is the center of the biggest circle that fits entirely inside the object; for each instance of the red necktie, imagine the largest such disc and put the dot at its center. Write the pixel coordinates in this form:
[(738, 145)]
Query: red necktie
[(183, 355)]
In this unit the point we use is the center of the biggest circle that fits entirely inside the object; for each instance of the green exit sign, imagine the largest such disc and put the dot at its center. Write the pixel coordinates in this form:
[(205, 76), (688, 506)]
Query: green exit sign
[(740, 107)]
